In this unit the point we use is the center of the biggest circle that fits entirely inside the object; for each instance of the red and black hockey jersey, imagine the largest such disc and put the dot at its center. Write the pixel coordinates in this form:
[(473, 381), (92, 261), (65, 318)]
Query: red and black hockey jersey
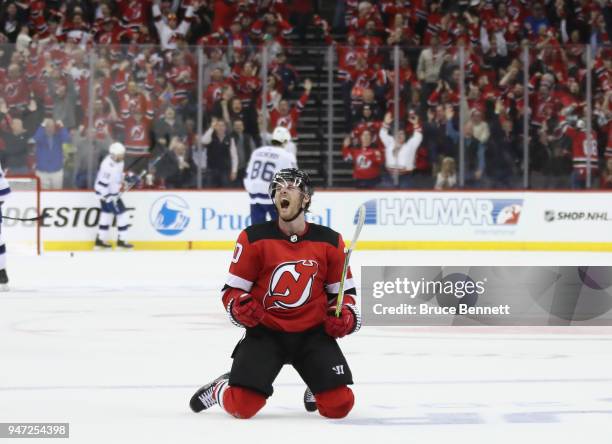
[(296, 278)]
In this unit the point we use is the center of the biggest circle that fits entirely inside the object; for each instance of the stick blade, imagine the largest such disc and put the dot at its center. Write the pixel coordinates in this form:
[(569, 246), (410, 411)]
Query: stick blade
[(359, 221)]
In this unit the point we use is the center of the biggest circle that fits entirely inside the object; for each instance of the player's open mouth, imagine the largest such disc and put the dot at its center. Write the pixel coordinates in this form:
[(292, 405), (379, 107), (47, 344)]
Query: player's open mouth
[(284, 203)]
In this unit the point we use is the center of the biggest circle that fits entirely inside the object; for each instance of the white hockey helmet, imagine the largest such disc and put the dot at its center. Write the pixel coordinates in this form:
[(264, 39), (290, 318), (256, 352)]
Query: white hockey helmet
[(116, 149), (281, 135)]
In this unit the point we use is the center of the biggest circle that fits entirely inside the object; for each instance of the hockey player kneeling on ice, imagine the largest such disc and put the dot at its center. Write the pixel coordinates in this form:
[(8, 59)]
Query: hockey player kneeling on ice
[(108, 186), (282, 288), (5, 190), (264, 162)]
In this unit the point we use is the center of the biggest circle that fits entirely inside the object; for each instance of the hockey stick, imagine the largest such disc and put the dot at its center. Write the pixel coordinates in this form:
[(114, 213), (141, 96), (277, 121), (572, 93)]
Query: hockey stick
[(141, 175), (26, 219), (358, 227)]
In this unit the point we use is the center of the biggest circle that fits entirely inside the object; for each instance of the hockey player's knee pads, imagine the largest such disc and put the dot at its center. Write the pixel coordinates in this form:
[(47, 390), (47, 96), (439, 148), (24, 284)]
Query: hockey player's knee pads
[(242, 403), (335, 403)]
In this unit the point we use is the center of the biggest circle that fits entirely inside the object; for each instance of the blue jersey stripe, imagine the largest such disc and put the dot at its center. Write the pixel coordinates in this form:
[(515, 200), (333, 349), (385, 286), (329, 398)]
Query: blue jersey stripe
[(259, 195)]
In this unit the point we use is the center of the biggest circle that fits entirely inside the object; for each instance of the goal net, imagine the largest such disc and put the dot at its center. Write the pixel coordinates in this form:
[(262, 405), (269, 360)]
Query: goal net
[(23, 202)]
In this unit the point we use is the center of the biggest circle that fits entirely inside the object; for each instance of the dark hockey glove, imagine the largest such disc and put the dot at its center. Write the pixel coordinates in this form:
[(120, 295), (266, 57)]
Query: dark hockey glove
[(247, 311), (132, 179), (347, 323)]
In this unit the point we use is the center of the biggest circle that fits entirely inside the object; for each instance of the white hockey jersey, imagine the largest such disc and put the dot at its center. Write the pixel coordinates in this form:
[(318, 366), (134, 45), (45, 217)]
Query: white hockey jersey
[(5, 189), (264, 162), (109, 178)]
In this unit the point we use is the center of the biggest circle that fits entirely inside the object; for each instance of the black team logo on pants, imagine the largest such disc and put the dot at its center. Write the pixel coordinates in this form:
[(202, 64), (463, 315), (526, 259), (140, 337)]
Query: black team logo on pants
[(291, 285)]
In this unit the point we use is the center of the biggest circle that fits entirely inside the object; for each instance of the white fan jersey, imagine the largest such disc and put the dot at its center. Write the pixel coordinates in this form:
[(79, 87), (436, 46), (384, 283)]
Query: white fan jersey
[(264, 162), (109, 178)]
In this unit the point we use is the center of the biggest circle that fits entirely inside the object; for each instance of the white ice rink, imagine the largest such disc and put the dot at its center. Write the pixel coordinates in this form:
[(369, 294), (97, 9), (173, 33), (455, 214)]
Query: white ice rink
[(116, 343)]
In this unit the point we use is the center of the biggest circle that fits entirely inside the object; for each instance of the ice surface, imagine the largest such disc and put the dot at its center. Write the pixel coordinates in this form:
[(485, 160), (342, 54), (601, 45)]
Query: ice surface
[(116, 343)]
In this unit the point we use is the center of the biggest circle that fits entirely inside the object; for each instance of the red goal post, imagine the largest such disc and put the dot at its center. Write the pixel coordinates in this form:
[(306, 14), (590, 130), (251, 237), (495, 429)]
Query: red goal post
[(23, 202)]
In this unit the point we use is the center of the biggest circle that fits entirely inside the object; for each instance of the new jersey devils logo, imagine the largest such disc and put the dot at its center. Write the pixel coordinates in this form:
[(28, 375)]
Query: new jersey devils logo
[(291, 285), (137, 133), (363, 162)]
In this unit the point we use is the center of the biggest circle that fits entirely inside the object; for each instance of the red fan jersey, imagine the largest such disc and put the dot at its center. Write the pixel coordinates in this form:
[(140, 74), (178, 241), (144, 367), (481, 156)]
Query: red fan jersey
[(137, 136), (296, 278), (367, 162), (289, 120), (582, 151)]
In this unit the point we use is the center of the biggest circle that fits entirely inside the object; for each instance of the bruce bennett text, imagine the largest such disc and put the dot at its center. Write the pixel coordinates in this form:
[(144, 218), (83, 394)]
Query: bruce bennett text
[(429, 310)]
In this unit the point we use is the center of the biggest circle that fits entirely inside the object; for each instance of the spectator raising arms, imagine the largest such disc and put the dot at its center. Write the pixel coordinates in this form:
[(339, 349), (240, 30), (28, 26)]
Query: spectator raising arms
[(49, 139), (367, 160), (400, 154), (288, 117)]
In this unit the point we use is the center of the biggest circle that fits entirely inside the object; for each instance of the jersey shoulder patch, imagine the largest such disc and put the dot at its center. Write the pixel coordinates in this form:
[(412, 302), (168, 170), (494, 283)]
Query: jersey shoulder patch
[(267, 230), (321, 233)]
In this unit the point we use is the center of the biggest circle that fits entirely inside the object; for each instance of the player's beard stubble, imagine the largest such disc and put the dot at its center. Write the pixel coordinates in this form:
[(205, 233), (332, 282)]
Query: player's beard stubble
[(289, 212)]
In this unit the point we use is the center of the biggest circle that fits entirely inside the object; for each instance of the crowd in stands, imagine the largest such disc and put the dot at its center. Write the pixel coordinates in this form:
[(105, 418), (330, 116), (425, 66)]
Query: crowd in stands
[(77, 75), (425, 44)]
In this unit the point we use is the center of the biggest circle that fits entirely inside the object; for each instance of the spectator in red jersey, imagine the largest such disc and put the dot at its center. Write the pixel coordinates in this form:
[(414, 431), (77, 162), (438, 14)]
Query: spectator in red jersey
[(137, 137), (288, 117), (275, 27), (134, 13), (214, 90), (109, 32), (15, 89), (182, 77), (367, 160), (247, 83), (605, 181), (225, 11), (134, 99), (584, 153), (76, 30), (367, 122)]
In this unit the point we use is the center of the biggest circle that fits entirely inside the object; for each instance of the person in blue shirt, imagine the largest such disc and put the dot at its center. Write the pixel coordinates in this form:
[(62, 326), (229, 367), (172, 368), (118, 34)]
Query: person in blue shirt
[(49, 139)]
